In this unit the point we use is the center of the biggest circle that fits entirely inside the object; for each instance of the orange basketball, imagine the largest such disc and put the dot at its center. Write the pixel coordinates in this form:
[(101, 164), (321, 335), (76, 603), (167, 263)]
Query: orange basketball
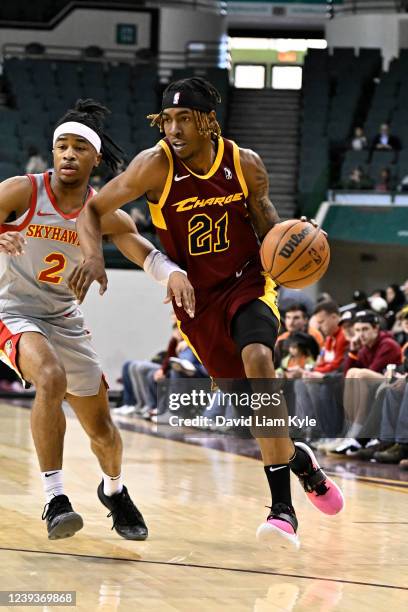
[(295, 253)]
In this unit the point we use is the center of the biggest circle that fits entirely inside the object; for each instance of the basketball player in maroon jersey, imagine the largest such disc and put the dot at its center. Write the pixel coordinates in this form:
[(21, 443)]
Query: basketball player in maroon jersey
[(209, 201)]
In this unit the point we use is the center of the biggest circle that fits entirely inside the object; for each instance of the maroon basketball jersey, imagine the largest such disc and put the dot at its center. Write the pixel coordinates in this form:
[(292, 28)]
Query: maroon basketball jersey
[(203, 221)]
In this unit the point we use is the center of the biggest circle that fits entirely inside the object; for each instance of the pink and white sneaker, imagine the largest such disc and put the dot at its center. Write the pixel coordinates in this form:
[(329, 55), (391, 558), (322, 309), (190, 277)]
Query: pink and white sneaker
[(321, 490), (280, 528)]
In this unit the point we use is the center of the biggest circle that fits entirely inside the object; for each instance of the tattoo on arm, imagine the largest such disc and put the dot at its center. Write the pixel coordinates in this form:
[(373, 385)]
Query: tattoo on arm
[(262, 212)]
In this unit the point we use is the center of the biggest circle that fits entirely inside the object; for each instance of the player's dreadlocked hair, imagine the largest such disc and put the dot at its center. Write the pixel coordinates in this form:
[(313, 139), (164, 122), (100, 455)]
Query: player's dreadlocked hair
[(93, 114), (195, 86)]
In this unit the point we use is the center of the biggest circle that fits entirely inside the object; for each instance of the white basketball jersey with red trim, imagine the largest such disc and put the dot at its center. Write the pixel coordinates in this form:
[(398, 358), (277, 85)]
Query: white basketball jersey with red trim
[(35, 284)]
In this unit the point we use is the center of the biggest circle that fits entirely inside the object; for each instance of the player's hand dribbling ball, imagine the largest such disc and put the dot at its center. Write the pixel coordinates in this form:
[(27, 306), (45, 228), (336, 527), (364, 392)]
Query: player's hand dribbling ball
[(295, 253)]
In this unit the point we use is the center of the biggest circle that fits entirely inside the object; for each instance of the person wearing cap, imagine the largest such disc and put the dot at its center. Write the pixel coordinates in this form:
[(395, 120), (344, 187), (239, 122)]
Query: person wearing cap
[(371, 351), (43, 337), (320, 400), (209, 200)]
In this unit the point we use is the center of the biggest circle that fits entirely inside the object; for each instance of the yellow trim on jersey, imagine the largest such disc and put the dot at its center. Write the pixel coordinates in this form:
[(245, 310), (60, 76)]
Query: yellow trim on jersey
[(270, 295), (186, 338), (238, 169), (156, 209), (216, 164)]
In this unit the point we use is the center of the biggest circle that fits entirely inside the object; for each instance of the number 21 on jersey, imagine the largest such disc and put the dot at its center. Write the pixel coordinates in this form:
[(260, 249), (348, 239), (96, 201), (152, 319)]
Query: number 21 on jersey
[(51, 273), (206, 236)]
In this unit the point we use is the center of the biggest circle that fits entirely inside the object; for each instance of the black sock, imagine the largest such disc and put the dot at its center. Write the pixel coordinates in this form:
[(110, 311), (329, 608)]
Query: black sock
[(300, 463), (279, 483)]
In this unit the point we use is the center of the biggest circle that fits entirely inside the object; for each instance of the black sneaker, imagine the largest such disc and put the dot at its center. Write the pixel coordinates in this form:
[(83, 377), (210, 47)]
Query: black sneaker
[(62, 521), (394, 454), (367, 453), (280, 528), (127, 520)]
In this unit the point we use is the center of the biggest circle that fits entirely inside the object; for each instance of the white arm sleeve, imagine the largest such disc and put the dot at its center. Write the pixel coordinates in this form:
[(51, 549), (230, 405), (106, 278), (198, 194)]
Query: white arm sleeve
[(159, 266)]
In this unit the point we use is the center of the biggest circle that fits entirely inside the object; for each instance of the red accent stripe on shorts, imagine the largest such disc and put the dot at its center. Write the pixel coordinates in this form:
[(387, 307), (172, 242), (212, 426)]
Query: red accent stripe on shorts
[(8, 345)]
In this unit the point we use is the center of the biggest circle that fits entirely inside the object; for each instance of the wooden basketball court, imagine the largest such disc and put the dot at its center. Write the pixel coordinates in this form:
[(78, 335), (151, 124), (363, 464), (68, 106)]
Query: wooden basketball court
[(202, 507)]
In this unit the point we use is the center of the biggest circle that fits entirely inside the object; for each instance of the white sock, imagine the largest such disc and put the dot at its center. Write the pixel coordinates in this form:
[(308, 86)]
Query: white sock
[(112, 484), (52, 483)]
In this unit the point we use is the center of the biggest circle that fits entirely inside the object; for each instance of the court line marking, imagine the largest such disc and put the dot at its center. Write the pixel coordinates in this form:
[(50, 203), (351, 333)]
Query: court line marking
[(211, 567), (379, 523)]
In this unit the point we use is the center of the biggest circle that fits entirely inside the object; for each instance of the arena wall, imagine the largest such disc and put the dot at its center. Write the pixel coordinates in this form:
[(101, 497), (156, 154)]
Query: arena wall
[(365, 267), (388, 32), (85, 27), (178, 27), (129, 321)]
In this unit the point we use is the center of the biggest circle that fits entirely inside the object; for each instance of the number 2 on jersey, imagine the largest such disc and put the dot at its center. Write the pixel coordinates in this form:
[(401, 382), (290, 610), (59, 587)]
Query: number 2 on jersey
[(201, 238), (50, 274)]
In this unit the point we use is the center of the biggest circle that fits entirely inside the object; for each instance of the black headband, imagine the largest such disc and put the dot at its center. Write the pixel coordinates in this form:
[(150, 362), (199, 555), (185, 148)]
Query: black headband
[(185, 98)]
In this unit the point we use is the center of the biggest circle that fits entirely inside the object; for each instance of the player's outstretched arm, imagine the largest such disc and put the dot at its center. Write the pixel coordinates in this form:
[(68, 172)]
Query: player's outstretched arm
[(261, 210), (15, 195), (124, 234), (139, 178)]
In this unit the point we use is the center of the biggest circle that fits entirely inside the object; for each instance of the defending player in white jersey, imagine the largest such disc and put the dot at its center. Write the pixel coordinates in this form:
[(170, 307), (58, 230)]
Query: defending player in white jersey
[(42, 332)]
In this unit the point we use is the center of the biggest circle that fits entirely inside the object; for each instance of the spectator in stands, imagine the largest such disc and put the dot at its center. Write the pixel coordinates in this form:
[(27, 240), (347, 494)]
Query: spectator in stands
[(359, 141), (385, 181), (155, 375), (378, 304), (360, 302), (137, 375), (347, 324), (321, 400), (387, 403), (357, 180), (371, 350), (185, 365), (360, 299), (322, 297), (378, 293), (36, 164), (404, 289), (128, 395), (333, 353), (387, 406), (396, 300), (401, 335), (384, 141), (394, 424), (300, 355), (296, 319)]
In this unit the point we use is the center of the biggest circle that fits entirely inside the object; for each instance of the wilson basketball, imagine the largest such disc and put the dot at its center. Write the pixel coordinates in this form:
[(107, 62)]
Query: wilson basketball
[(295, 253)]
